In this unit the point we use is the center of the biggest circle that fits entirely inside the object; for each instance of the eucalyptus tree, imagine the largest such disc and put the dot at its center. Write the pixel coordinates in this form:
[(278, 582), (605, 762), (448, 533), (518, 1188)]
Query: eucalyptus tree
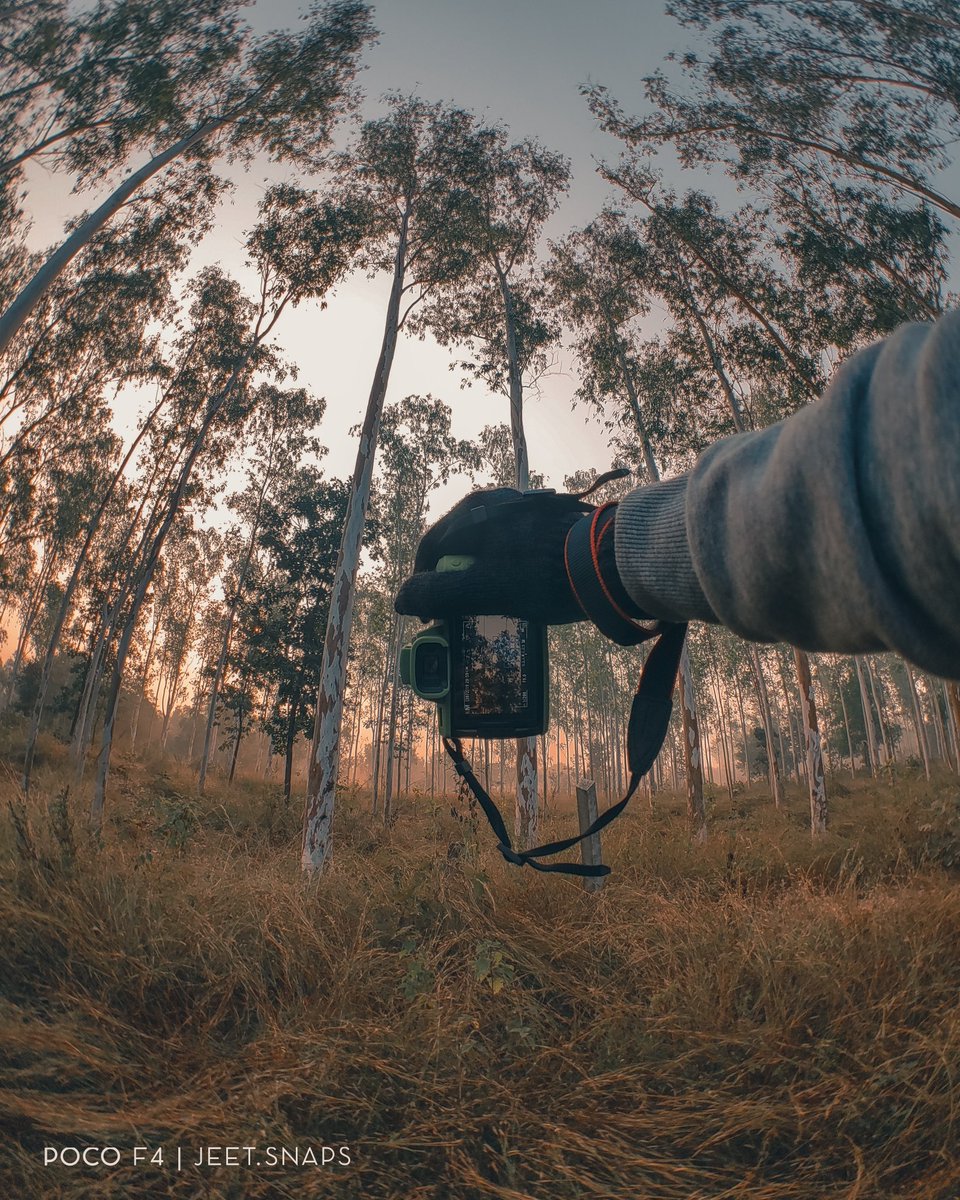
[(192, 563), (736, 314), (399, 162), (770, 311), (92, 334), (710, 274), (222, 347), (505, 193), (864, 89), (280, 430), (59, 508), (837, 117), (600, 296), (418, 452), (302, 246), (497, 458), (297, 541), (179, 82)]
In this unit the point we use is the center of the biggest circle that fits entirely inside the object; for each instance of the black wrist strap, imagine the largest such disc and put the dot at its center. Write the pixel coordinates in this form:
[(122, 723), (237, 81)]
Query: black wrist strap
[(646, 731)]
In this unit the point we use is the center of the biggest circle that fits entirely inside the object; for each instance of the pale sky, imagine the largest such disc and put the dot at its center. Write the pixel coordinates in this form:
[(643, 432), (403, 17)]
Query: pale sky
[(518, 61)]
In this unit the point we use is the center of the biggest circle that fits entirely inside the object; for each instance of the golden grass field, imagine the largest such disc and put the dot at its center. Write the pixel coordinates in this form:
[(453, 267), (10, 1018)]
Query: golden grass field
[(756, 1017)]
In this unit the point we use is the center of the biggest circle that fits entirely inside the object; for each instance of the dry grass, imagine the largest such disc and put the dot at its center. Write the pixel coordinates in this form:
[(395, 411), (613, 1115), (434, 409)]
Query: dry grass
[(756, 1018)]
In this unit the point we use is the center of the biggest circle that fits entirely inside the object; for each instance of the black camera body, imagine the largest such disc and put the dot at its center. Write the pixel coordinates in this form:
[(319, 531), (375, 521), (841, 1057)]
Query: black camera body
[(488, 674)]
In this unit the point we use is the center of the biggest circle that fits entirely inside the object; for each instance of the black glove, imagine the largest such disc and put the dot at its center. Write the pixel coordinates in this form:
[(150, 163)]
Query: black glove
[(528, 563), (517, 540)]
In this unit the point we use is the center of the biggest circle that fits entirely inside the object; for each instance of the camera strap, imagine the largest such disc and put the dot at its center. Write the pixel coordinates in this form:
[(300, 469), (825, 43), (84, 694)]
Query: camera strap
[(646, 730)]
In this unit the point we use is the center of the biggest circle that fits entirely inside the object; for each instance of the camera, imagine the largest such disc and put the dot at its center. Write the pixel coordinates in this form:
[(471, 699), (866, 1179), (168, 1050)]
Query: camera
[(487, 674)]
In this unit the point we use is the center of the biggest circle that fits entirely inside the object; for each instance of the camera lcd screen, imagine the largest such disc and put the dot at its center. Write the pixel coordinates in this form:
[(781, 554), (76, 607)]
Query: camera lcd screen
[(498, 678), (495, 669)]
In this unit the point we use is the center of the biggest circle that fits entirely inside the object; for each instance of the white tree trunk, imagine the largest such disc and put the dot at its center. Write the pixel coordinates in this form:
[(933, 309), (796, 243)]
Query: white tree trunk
[(867, 718), (918, 721), (763, 696), (526, 815), (815, 777), (325, 753)]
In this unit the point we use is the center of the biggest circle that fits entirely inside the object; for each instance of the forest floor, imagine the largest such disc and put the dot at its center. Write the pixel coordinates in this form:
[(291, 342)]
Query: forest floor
[(755, 1017)]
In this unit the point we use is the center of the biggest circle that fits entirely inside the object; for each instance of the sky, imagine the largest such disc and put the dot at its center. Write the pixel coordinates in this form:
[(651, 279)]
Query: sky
[(520, 62), (517, 61)]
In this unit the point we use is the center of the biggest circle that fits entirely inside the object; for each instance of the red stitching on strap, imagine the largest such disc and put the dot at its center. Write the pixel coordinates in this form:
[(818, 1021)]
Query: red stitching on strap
[(595, 556)]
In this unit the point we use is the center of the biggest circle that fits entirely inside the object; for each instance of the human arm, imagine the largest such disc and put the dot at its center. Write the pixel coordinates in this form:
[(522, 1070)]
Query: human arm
[(836, 529)]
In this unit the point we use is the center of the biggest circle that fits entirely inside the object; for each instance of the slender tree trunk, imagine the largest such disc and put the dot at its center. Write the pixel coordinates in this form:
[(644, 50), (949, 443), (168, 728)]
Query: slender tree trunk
[(846, 726), (66, 600), (692, 760), (952, 688), (356, 726), (942, 741), (197, 704), (818, 790), (110, 619), (791, 729), (881, 719), (387, 680), (92, 685), (763, 698), (290, 741), (325, 754), (146, 575), (135, 727), (747, 762), (172, 696), (868, 725), (527, 818), (918, 720), (228, 626), (239, 737), (392, 729), (30, 614), (32, 292)]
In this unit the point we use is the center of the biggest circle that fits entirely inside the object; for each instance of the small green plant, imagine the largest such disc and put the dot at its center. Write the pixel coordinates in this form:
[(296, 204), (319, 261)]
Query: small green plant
[(178, 822), (61, 826), (941, 831), (492, 967), (418, 977)]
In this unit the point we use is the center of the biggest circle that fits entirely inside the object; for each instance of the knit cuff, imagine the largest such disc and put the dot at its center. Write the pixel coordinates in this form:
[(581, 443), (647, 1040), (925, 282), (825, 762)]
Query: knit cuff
[(653, 553)]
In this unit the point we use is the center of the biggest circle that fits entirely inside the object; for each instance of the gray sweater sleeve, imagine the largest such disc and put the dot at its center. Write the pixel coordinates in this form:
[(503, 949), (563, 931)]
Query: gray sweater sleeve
[(835, 529)]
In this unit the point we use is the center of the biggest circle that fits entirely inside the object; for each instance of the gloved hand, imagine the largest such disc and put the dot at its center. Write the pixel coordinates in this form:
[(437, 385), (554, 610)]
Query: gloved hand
[(517, 541)]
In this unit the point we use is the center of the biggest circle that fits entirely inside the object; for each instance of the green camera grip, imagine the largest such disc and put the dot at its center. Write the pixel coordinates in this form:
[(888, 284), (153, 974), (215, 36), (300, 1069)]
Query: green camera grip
[(455, 562)]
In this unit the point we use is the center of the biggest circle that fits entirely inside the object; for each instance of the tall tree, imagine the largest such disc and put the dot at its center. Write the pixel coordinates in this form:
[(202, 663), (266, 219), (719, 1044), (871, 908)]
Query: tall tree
[(863, 88), (91, 334), (400, 162), (601, 295), (282, 437), (418, 453), (181, 81), (505, 193), (299, 537)]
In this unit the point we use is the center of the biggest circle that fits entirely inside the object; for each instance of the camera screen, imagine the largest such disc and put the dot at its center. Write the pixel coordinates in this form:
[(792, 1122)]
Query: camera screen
[(495, 668)]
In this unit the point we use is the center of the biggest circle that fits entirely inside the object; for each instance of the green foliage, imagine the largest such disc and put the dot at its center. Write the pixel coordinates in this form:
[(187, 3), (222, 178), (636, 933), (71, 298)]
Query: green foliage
[(938, 824), (418, 977), (492, 966)]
